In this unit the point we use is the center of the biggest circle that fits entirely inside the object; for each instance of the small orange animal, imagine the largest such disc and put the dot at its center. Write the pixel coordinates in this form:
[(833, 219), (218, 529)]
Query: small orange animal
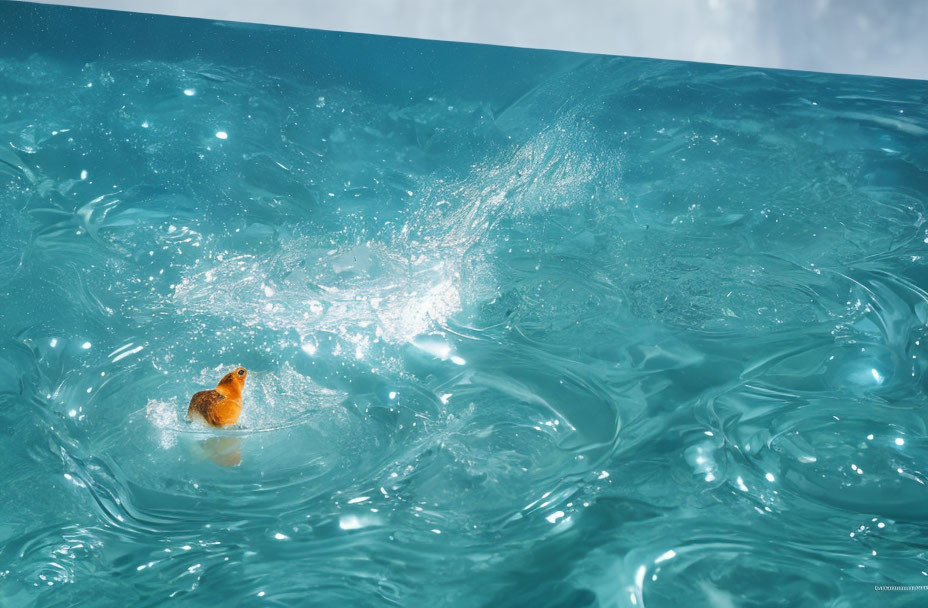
[(222, 406)]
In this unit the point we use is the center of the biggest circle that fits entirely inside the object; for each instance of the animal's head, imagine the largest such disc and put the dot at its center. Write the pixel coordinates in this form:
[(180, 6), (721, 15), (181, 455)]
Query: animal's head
[(233, 382)]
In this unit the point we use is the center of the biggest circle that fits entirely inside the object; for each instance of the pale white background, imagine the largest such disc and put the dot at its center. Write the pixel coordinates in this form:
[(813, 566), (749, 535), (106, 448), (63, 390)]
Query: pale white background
[(875, 37)]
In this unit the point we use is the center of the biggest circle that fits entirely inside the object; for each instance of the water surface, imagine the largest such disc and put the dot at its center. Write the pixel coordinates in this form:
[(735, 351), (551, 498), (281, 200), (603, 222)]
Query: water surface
[(524, 328)]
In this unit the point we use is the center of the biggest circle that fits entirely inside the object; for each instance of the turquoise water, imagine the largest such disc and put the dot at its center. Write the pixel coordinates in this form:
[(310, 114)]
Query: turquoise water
[(523, 328)]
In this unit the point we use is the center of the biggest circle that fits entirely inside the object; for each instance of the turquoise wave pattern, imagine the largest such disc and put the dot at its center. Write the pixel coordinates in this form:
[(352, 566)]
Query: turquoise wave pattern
[(523, 328)]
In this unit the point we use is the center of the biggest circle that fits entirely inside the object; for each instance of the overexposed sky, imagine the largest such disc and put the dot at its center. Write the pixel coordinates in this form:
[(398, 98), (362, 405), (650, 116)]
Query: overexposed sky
[(874, 37)]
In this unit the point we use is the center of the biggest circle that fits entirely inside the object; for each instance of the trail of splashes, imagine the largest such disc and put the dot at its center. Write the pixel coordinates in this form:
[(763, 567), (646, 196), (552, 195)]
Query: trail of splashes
[(404, 283)]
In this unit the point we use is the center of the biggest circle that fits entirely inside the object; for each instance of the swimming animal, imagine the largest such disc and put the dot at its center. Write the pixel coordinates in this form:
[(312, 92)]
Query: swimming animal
[(223, 405)]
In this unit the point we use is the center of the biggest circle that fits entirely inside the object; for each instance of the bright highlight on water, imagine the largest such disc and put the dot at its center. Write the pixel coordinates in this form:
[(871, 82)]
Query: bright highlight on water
[(521, 327)]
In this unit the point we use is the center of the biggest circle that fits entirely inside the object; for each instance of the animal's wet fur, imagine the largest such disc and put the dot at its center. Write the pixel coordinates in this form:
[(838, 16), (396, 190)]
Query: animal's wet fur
[(221, 406)]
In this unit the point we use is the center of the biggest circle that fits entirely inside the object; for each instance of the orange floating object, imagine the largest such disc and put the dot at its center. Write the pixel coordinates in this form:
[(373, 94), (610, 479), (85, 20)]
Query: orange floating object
[(221, 406)]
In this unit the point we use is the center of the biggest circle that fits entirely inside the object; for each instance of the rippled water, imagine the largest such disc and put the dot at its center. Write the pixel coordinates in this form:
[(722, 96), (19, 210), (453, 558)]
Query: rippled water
[(578, 331)]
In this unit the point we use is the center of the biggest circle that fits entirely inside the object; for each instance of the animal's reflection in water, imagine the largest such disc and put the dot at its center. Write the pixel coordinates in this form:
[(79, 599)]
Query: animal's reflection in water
[(224, 451)]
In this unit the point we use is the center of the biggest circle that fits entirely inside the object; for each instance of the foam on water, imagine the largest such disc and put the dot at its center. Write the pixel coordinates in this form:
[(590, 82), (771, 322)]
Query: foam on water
[(616, 333)]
